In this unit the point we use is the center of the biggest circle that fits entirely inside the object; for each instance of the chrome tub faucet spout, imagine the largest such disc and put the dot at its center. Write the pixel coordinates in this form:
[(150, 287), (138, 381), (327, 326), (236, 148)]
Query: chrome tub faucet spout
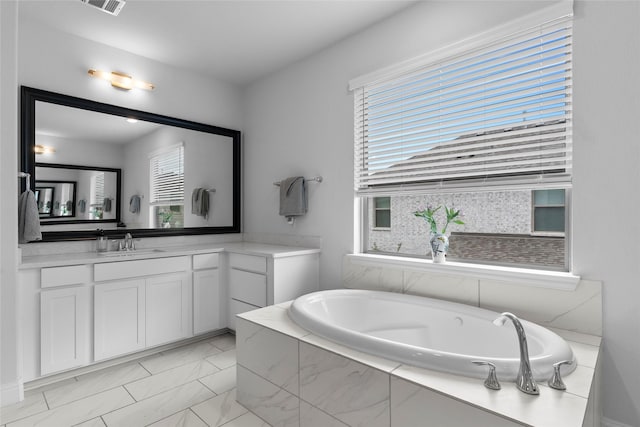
[(524, 380)]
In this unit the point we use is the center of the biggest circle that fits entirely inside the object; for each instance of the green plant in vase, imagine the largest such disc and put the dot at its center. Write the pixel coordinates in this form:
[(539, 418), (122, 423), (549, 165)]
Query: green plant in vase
[(438, 239)]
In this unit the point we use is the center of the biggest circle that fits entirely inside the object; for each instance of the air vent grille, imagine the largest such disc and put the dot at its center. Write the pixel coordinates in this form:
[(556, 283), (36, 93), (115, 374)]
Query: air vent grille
[(112, 7)]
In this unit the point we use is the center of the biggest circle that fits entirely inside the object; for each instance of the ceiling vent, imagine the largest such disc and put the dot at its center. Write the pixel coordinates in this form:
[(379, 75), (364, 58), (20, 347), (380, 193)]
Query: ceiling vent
[(112, 7)]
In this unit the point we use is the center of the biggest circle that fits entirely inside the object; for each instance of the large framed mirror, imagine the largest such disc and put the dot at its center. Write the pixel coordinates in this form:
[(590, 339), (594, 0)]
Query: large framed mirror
[(124, 170)]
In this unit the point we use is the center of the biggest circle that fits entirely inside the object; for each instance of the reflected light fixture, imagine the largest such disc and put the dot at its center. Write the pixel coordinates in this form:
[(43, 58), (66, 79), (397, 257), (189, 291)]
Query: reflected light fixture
[(131, 120), (121, 80), (43, 149)]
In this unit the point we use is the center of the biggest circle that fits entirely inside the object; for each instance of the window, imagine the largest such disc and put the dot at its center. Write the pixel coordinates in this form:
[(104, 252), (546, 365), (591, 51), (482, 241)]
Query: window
[(167, 187), (486, 129), (96, 202), (548, 211), (382, 212)]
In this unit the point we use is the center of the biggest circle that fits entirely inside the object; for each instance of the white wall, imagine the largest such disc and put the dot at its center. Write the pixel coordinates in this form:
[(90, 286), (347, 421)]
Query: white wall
[(300, 121), (46, 59), (10, 365)]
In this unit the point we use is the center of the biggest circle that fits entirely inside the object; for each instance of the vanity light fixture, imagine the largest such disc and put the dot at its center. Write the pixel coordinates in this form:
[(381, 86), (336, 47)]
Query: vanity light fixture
[(43, 149), (121, 80)]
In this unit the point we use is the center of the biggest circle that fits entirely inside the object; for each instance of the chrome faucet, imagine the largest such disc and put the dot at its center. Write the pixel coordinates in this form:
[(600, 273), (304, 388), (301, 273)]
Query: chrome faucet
[(524, 380), (126, 244)]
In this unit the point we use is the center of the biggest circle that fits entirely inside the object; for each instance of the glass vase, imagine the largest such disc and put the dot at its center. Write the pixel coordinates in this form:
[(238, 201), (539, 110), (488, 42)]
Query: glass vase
[(439, 246)]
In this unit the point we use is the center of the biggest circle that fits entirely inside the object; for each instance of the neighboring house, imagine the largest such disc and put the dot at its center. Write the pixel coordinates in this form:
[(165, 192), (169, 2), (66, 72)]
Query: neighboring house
[(524, 227)]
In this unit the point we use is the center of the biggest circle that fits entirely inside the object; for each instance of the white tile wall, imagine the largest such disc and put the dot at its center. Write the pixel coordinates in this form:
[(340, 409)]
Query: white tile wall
[(412, 405), (271, 403), (350, 391), (579, 310), (270, 354)]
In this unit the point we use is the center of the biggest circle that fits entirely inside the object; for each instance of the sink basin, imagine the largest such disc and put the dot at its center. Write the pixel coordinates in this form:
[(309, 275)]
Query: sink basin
[(130, 253)]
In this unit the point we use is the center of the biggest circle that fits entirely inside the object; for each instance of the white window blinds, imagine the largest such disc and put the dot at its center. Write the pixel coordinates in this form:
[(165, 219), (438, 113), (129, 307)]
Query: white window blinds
[(167, 176), (97, 194), (499, 112)]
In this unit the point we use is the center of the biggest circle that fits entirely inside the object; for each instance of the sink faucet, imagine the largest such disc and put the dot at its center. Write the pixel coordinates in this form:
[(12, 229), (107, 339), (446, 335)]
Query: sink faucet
[(524, 380), (127, 243)]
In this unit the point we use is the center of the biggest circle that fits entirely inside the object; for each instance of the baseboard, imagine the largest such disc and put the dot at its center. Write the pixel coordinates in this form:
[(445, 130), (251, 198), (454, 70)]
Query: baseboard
[(606, 422), (11, 393)]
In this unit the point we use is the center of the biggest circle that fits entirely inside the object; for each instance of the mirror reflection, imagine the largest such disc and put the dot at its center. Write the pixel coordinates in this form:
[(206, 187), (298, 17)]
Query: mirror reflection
[(78, 193), (175, 175), (56, 199)]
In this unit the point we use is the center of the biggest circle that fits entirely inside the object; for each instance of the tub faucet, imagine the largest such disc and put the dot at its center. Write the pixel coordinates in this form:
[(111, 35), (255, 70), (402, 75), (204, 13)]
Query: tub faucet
[(524, 380)]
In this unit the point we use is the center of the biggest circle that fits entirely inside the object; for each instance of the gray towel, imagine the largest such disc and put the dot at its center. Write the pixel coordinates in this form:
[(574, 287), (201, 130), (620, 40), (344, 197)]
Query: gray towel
[(200, 202), (293, 197), (28, 218), (134, 204), (82, 205), (106, 205)]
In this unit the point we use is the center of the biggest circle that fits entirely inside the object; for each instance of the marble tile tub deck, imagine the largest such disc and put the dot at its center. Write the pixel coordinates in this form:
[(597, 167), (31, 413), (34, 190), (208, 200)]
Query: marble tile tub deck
[(290, 377), (193, 385)]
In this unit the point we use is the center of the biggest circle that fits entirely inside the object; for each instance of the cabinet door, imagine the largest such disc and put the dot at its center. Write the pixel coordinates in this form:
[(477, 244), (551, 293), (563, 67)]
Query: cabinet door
[(64, 320), (168, 308), (119, 318), (206, 301)]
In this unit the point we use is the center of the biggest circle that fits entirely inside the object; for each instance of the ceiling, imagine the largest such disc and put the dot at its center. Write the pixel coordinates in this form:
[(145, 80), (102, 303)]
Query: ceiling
[(237, 41)]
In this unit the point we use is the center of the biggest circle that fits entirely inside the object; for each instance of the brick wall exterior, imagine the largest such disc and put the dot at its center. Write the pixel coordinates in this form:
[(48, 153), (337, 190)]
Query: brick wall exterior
[(497, 229)]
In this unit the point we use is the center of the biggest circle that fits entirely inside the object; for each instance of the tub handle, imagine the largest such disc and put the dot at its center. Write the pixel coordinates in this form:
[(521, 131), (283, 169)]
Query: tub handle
[(492, 380), (556, 380)]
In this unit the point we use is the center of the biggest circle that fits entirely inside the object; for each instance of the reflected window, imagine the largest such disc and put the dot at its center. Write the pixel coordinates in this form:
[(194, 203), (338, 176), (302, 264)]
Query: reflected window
[(167, 188)]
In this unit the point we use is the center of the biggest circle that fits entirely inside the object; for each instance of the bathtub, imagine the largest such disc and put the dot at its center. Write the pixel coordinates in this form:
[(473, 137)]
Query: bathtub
[(428, 333)]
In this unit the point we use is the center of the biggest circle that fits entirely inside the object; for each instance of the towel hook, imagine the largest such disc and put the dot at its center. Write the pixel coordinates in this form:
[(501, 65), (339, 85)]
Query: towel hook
[(28, 176)]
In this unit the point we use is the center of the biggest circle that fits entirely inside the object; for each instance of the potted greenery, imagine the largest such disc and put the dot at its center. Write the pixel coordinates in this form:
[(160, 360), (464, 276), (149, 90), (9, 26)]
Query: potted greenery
[(438, 240), (166, 216)]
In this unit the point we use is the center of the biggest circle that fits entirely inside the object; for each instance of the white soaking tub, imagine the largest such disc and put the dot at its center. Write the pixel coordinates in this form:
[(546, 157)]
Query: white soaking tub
[(428, 333)]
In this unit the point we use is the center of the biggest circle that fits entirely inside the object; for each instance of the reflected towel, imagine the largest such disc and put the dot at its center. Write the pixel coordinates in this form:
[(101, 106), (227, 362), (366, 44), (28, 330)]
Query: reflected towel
[(293, 197), (82, 206), (28, 218), (106, 205), (200, 202), (134, 204)]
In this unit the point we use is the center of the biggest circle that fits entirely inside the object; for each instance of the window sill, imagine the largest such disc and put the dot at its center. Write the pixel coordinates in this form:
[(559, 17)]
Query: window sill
[(520, 276)]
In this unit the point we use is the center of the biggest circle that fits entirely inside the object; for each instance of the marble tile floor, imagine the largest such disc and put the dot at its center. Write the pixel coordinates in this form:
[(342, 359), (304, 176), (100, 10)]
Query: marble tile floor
[(193, 385)]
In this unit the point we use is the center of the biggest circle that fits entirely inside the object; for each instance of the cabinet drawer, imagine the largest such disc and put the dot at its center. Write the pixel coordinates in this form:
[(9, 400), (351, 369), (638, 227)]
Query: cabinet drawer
[(248, 287), (205, 261), (248, 262), (68, 275), (138, 268)]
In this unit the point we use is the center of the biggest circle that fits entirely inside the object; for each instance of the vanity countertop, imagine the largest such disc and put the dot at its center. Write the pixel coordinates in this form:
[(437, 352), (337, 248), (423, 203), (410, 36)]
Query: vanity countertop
[(552, 408), (247, 248)]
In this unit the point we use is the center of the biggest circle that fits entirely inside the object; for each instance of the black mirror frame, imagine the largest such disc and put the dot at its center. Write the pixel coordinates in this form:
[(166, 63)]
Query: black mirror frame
[(28, 98)]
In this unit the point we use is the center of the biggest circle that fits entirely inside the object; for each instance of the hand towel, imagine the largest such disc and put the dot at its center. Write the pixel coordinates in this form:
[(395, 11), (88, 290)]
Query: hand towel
[(200, 202), (28, 218), (106, 205), (293, 197), (134, 204), (82, 205)]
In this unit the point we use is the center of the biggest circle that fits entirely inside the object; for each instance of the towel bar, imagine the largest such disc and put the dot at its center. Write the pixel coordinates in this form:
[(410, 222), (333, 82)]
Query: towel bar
[(315, 178)]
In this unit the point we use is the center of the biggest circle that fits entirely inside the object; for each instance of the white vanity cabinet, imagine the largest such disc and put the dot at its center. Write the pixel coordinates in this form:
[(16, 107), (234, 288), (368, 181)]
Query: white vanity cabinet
[(131, 315), (208, 310), (81, 309), (256, 281), (119, 318), (64, 326), (64, 318)]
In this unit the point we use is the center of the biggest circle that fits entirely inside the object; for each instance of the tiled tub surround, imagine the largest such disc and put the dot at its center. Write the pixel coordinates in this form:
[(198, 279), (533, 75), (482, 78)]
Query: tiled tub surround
[(290, 377), (578, 309)]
